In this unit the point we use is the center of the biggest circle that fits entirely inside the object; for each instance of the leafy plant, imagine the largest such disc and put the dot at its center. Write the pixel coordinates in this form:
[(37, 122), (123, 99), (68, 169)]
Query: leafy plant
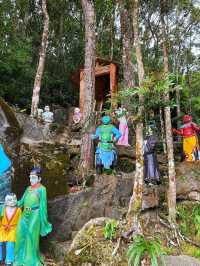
[(110, 229), (196, 219), (140, 246), (184, 216)]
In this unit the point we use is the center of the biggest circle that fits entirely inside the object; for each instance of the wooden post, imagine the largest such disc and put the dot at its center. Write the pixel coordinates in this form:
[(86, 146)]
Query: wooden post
[(113, 84), (81, 96)]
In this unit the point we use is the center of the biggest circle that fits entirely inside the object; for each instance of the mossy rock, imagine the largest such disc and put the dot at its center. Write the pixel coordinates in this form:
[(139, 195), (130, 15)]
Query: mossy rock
[(55, 163), (90, 247), (11, 118)]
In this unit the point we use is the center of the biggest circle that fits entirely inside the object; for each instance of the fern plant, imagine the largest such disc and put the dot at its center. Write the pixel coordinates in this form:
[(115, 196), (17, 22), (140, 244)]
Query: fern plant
[(110, 229), (140, 246)]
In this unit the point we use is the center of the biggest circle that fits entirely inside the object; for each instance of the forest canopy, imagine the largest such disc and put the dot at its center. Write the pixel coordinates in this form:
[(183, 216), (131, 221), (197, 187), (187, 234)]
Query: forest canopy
[(21, 29)]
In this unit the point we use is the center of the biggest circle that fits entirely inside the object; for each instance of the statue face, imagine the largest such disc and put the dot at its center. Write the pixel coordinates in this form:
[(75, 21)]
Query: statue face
[(34, 179), (46, 108), (11, 200)]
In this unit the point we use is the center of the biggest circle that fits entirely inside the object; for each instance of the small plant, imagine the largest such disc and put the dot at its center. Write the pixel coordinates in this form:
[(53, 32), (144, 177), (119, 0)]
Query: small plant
[(196, 219), (140, 246), (110, 229), (184, 217)]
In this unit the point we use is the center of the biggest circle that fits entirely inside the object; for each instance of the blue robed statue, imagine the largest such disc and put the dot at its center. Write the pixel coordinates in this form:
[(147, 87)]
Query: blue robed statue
[(5, 174)]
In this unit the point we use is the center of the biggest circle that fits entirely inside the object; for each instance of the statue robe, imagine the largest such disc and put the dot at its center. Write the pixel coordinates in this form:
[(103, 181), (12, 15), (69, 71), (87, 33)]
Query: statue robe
[(32, 225), (5, 175)]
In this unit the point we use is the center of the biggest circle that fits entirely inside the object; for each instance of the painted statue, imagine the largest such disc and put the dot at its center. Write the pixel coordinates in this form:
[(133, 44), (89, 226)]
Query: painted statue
[(5, 174), (106, 134), (123, 126), (33, 223), (188, 130), (47, 116), (151, 170), (77, 115), (9, 218), (40, 111)]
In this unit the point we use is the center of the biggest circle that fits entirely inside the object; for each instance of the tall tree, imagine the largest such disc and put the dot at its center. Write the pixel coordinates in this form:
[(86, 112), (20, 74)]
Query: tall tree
[(168, 125), (127, 44), (41, 64), (88, 79), (135, 204)]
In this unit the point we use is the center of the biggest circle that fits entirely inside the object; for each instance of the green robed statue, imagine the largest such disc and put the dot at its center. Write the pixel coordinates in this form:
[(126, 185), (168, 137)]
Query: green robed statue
[(33, 223)]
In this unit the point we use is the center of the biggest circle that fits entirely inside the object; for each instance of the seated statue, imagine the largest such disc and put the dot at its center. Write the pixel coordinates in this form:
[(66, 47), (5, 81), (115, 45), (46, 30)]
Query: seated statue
[(77, 115), (9, 217), (39, 113), (47, 116)]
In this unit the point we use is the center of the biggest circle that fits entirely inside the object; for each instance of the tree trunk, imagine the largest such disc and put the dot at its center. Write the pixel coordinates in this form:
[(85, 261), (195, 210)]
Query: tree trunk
[(127, 46), (40, 68), (162, 125), (135, 204), (169, 138), (86, 159)]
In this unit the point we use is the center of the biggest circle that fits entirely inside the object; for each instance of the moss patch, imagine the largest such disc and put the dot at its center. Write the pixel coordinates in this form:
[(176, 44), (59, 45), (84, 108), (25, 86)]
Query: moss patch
[(55, 163), (94, 249)]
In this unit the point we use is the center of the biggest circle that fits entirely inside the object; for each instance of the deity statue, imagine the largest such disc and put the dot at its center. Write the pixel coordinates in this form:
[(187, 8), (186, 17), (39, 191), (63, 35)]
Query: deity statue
[(5, 174), (151, 170), (33, 222), (9, 218), (188, 130), (47, 116), (77, 115), (107, 134), (40, 111), (121, 114)]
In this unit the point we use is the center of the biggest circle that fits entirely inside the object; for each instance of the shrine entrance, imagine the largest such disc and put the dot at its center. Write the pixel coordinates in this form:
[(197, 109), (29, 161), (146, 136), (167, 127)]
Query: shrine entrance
[(106, 76)]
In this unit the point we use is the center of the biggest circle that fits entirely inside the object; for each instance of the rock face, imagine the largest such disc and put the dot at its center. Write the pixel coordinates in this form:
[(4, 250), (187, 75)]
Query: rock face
[(10, 129), (181, 261), (55, 163), (188, 181), (109, 197)]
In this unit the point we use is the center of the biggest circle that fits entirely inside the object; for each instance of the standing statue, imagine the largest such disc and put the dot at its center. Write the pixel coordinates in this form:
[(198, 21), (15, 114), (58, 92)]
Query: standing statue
[(121, 114), (189, 132), (77, 116), (5, 174), (9, 218), (33, 223), (151, 170), (106, 155), (47, 116)]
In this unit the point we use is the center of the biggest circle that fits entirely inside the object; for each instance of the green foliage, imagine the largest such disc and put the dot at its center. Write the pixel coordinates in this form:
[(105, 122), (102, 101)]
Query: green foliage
[(153, 91), (110, 230), (196, 218), (189, 219), (140, 246)]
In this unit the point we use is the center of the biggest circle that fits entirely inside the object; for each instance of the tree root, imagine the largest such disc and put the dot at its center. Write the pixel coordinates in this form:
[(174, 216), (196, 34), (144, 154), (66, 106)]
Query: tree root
[(177, 234)]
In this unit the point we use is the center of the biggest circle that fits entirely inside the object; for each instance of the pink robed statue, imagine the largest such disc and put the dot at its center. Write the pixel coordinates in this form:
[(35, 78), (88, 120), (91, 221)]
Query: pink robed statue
[(123, 126), (77, 115)]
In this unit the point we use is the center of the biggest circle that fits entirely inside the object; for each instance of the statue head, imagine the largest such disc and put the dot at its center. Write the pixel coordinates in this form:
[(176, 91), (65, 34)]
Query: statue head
[(106, 119), (77, 110), (187, 118), (47, 108), (11, 200), (35, 176)]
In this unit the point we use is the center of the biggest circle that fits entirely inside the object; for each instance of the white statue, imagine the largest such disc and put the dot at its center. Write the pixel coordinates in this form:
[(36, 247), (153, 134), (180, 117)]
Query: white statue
[(47, 116), (77, 115), (39, 113)]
